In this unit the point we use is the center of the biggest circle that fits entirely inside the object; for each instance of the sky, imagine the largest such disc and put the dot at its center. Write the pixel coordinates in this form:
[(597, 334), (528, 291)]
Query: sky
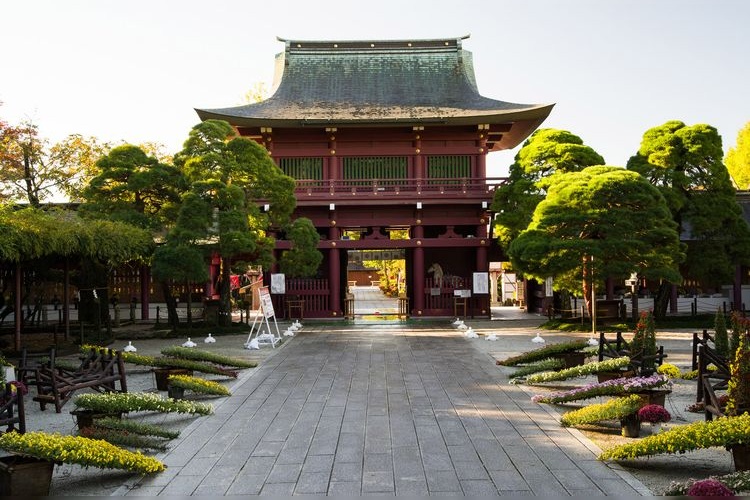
[(135, 71)]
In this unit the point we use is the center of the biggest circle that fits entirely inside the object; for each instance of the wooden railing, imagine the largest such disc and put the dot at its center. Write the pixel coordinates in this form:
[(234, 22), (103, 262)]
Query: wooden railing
[(396, 188)]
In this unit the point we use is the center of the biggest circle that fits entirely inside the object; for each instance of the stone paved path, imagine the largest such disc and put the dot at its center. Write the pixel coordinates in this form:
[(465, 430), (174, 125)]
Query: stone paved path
[(382, 409)]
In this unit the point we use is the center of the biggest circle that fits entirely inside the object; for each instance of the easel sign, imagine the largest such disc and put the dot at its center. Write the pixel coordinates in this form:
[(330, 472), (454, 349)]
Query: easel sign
[(264, 312)]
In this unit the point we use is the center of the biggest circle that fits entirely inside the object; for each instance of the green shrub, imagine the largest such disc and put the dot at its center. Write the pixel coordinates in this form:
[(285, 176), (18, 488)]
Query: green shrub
[(544, 365)]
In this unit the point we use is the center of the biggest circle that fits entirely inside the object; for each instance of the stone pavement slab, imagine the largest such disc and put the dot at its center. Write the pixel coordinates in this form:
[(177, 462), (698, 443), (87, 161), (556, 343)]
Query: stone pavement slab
[(391, 408)]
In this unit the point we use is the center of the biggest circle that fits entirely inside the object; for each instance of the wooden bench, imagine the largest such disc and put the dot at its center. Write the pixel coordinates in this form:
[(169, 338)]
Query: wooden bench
[(11, 409), (100, 370), (620, 347), (709, 382)]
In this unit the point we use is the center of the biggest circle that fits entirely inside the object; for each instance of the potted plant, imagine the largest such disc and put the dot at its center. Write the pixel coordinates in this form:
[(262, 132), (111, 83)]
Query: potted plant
[(47, 449), (654, 415), (544, 365), (177, 384)]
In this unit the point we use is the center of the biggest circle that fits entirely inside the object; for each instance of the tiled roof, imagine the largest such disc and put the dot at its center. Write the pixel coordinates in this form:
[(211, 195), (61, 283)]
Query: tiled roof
[(376, 83)]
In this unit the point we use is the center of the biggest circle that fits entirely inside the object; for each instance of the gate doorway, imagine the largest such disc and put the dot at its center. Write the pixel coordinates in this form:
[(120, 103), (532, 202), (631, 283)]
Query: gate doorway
[(375, 281)]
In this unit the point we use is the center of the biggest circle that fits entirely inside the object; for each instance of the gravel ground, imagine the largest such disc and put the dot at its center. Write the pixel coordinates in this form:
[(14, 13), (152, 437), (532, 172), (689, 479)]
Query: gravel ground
[(74, 480), (655, 472), (659, 471)]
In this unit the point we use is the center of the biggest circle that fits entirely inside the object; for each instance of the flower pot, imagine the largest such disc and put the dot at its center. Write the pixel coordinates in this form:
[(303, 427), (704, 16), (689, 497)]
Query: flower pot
[(162, 375), (631, 426), (85, 418), (571, 359), (175, 392), (615, 374), (25, 476), (741, 456)]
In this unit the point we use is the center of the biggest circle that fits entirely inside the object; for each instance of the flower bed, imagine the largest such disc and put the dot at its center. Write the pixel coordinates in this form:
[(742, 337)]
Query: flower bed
[(544, 365), (211, 357), (614, 387), (725, 432), (78, 450), (614, 409), (197, 384), (124, 438), (545, 352), (134, 427), (579, 371), (137, 401), (736, 481)]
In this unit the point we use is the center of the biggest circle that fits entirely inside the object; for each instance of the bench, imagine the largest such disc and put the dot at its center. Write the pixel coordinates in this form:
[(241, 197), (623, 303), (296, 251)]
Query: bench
[(100, 370), (620, 347), (709, 382), (11, 409)]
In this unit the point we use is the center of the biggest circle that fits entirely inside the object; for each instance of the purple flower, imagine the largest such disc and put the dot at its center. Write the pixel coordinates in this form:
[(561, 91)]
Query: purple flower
[(608, 387), (709, 488)]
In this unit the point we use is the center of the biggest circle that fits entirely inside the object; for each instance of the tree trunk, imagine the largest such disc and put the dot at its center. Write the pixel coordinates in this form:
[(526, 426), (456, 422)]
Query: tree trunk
[(172, 319), (661, 301), (587, 283)]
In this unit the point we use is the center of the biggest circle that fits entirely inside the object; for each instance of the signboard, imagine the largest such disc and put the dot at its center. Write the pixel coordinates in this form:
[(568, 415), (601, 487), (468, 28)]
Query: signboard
[(278, 284), (548, 291), (265, 311), (462, 293), (481, 283), (266, 303)]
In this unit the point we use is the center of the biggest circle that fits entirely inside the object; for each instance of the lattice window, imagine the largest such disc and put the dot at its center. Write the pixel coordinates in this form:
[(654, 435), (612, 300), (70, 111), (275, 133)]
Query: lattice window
[(448, 167), (302, 168), (380, 168)]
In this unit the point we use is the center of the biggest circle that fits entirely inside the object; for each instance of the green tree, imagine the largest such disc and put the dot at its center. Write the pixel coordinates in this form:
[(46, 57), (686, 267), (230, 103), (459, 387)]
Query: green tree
[(546, 152), (685, 164), (135, 188), (738, 159), (604, 220), (304, 258), (230, 178)]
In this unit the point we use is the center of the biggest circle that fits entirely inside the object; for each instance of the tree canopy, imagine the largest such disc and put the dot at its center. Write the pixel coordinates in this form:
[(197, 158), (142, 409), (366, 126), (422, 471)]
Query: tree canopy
[(135, 188), (546, 152), (738, 159), (33, 170), (304, 258), (608, 213), (685, 164), (229, 177)]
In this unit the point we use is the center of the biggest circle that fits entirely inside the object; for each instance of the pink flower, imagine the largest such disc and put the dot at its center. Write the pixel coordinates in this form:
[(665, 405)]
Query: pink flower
[(709, 488), (654, 414)]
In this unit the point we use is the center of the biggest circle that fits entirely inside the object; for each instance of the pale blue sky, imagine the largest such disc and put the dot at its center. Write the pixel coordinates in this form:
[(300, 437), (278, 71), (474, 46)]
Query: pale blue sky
[(135, 70)]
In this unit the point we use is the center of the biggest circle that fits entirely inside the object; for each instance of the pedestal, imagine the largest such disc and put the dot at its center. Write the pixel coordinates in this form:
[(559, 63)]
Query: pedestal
[(741, 456), (161, 375), (25, 476), (631, 426)]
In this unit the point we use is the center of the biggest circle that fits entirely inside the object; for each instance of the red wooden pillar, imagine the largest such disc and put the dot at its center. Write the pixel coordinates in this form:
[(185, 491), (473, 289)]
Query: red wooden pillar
[(737, 289), (419, 269), (334, 269), (18, 311)]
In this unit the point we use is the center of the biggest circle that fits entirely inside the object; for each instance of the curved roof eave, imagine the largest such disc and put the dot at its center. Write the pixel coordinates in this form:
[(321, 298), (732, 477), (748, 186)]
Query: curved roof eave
[(524, 120)]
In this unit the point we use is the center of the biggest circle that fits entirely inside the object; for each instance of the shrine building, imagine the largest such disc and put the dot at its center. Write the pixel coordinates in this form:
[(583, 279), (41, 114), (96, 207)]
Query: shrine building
[(385, 138)]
